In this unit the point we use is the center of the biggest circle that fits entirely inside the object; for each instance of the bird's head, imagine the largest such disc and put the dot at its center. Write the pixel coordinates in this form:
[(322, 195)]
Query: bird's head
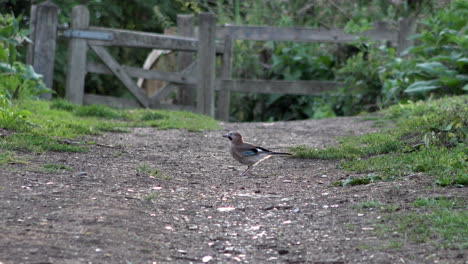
[(235, 137)]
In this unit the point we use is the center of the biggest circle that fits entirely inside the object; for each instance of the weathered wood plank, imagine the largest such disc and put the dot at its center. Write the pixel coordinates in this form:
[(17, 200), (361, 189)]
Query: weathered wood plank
[(279, 86), (206, 64), (120, 73), (266, 33), (185, 28), (407, 27), (145, 74), (138, 39), (32, 28), (42, 59), (224, 95), (76, 62), (123, 103), (111, 101)]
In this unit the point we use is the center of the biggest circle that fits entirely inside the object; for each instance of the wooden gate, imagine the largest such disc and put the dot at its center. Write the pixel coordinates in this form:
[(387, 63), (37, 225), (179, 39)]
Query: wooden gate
[(196, 75), (196, 80), (97, 39)]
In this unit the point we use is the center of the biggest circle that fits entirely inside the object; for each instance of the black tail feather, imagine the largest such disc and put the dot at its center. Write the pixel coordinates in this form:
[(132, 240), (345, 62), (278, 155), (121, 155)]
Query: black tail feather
[(280, 153)]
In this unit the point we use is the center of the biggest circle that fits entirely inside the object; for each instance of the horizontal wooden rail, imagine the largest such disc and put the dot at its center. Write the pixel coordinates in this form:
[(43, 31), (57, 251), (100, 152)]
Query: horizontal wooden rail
[(278, 86), (126, 38), (167, 89), (380, 31), (174, 77)]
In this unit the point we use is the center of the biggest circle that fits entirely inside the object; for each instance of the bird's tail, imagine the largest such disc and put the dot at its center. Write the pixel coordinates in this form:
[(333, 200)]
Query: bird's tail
[(280, 153)]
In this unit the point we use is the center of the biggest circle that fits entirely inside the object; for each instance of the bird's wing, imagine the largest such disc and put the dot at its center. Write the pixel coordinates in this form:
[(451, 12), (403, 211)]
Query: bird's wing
[(248, 150)]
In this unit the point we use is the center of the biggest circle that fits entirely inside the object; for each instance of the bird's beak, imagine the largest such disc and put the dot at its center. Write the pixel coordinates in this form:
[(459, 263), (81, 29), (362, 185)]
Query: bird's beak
[(228, 136)]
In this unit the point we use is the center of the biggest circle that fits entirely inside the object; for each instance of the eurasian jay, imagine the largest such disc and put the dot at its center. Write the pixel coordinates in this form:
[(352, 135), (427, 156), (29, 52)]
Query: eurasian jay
[(248, 154)]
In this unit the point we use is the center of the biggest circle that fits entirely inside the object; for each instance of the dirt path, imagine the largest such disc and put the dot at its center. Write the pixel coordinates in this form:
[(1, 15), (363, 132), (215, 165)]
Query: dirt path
[(198, 209)]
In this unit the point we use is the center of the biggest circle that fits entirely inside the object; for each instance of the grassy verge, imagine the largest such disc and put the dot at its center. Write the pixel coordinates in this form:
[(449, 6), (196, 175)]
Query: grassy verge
[(430, 137), (439, 221), (37, 126)]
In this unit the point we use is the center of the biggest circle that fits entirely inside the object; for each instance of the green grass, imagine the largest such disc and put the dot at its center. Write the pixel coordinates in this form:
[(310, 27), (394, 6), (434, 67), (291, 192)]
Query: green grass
[(100, 111), (150, 197), (165, 119), (448, 165), (9, 157), (145, 169), (368, 204), (430, 137), (371, 204), (55, 167), (35, 142), (352, 147), (41, 125), (358, 181), (440, 221)]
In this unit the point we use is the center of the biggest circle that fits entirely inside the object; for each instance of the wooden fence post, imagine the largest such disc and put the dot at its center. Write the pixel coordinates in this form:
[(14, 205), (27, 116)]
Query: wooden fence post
[(77, 48), (224, 95), (407, 27), (41, 53), (206, 63), (185, 28)]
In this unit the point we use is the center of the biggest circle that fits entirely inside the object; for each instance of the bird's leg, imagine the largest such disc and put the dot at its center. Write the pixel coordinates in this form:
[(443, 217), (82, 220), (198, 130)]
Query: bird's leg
[(247, 170)]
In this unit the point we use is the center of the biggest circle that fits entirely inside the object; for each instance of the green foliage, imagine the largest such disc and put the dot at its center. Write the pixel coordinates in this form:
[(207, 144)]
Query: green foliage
[(438, 64), (361, 75), (432, 123), (301, 62), (430, 138), (17, 80), (289, 61)]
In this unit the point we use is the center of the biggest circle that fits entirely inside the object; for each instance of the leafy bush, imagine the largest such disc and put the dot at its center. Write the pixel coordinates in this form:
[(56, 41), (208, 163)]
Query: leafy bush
[(17, 80), (438, 64)]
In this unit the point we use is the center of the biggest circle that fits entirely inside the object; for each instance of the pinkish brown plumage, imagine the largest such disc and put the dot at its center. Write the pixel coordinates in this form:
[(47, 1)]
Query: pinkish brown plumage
[(247, 153)]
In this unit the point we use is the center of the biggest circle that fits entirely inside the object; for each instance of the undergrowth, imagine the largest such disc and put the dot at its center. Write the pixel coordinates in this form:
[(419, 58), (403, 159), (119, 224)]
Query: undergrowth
[(430, 137)]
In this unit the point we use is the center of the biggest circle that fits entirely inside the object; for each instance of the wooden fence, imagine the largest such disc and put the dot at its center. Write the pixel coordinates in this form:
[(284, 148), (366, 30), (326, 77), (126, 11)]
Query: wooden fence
[(196, 81)]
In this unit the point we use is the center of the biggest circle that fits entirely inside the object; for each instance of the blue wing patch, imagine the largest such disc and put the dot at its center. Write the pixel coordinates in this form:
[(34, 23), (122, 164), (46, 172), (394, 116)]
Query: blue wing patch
[(249, 153)]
